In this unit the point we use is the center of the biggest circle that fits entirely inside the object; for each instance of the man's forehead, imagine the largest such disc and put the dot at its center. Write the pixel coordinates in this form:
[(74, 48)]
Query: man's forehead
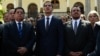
[(19, 10), (12, 10), (75, 8), (48, 3)]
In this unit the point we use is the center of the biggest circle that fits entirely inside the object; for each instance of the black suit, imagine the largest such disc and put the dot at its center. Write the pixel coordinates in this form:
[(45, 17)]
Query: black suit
[(1, 37), (96, 52), (12, 40), (49, 43), (81, 41)]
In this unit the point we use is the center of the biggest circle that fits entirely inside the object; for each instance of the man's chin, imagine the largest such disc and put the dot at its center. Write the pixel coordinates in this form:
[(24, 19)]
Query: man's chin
[(76, 17)]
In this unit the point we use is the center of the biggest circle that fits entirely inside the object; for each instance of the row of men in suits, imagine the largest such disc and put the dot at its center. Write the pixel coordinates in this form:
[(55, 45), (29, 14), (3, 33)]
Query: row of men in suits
[(75, 38)]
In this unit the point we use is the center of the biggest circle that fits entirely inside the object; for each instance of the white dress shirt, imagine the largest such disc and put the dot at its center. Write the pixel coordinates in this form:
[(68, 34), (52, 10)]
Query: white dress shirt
[(19, 22), (73, 22), (50, 18)]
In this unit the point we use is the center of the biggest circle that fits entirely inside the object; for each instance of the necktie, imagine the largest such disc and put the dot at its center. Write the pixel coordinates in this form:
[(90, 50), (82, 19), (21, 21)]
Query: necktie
[(47, 24), (19, 29), (75, 27)]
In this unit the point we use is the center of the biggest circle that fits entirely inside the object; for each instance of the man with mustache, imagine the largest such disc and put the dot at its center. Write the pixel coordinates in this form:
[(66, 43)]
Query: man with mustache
[(78, 35)]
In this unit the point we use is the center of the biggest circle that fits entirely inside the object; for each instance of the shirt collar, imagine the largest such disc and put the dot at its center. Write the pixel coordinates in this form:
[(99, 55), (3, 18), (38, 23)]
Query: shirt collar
[(19, 22), (49, 16), (76, 20)]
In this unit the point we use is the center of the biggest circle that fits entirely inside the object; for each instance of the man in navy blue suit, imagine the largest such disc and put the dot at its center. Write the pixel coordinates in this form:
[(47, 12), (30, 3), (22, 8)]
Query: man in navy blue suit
[(49, 33), (18, 36)]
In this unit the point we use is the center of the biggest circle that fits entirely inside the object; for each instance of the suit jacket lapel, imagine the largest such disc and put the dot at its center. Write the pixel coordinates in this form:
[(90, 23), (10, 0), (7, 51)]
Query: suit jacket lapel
[(43, 24), (24, 29), (79, 27), (15, 29), (71, 27), (51, 23)]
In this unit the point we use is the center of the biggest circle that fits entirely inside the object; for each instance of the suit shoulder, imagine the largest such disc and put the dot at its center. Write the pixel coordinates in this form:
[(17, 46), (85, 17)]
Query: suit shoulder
[(85, 21), (56, 18), (40, 20), (27, 23), (98, 23), (8, 23)]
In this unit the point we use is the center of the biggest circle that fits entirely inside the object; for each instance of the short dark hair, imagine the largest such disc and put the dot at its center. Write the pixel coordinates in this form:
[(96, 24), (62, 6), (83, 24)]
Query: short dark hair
[(48, 2), (75, 6), (19, 8)]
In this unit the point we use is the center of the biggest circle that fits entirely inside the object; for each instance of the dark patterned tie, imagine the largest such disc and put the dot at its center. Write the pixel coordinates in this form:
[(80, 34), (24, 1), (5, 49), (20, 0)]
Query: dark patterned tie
[(19, 29), (75, 27), (47, 24)]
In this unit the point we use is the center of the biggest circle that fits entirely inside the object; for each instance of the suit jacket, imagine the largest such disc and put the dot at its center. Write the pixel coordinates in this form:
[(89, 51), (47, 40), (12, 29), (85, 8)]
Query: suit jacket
[(49, 43), (12, 40), (81, 41), (1, 37), (96, 28), (96, 52)]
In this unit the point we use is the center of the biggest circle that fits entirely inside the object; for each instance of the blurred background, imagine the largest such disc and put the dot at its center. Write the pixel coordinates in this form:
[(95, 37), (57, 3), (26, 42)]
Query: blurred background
[(34, 8)]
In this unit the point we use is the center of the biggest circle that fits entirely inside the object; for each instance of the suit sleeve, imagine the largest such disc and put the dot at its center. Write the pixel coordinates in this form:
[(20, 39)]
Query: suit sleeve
[(91, 41), (66, 49), (31, 42), (60, 37), (6, 37)]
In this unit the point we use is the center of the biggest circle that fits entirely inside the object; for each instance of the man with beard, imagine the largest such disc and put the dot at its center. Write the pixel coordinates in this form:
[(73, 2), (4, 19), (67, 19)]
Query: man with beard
[(78, 35)]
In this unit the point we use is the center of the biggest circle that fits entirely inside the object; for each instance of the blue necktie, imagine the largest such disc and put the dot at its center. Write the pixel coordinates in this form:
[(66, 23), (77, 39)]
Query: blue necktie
[(19, 29), (47, 24), (75, 27)]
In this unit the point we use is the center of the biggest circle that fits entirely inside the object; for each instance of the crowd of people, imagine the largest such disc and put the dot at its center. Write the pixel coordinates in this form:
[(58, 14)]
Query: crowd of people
[(74, 35)]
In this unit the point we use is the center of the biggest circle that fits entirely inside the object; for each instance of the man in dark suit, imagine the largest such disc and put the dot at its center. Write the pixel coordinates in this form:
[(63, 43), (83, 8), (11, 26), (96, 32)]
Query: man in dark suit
[(18, 36), (49, 33), (78, 35)]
